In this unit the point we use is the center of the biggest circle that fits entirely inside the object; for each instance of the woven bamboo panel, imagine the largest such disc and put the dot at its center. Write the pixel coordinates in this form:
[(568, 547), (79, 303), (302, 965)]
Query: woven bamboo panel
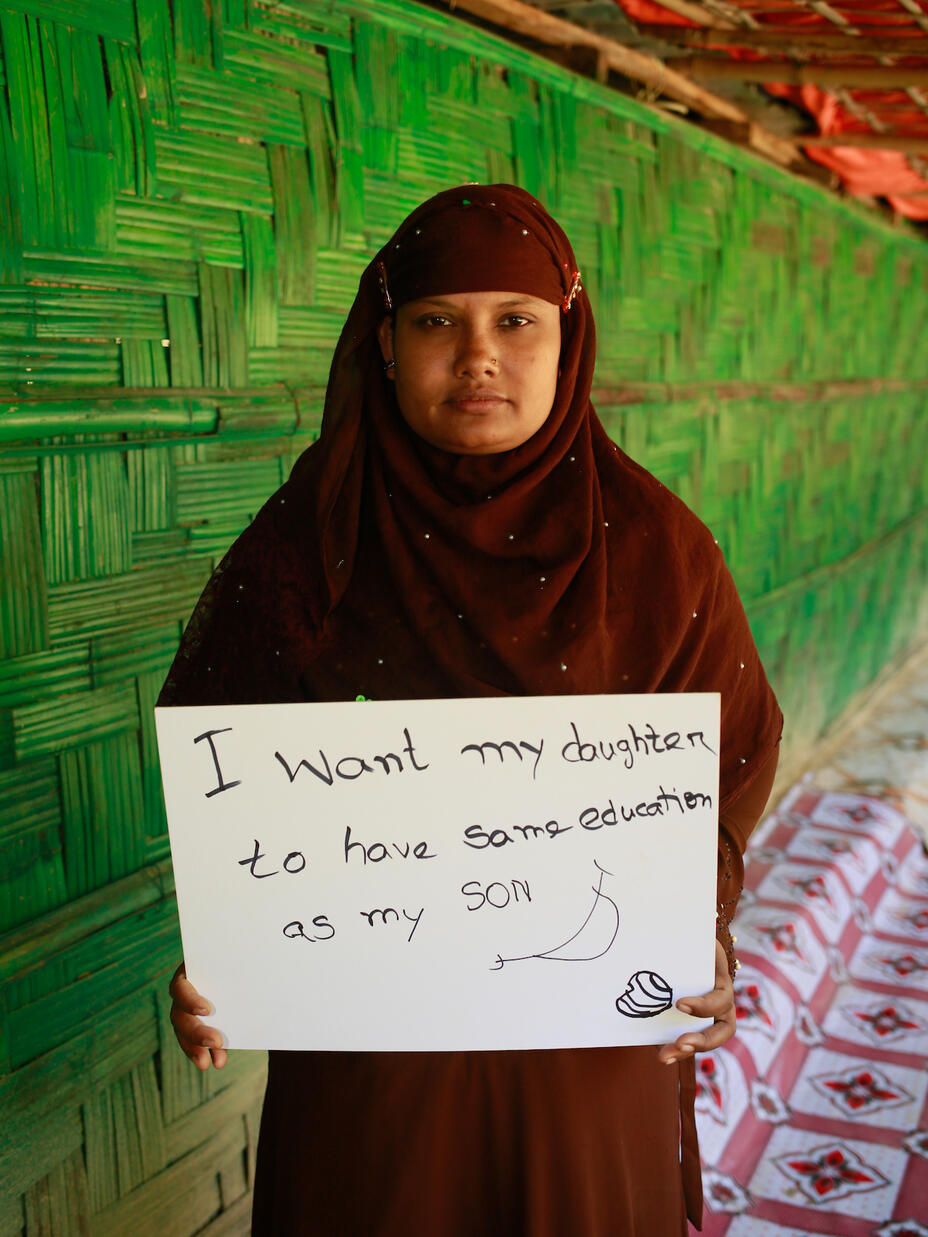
[(188, 194)]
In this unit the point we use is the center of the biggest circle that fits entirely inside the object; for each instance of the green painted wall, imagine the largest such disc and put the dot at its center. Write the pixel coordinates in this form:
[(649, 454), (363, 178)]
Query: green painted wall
[(187, 196)]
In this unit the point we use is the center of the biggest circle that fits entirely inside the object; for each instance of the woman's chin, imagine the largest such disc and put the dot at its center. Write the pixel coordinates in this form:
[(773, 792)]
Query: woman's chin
[(474, 439), (492, 447)]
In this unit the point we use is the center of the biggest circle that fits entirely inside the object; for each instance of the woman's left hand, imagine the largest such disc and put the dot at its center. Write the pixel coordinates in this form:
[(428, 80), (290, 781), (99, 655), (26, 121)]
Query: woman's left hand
[(719, 1004)]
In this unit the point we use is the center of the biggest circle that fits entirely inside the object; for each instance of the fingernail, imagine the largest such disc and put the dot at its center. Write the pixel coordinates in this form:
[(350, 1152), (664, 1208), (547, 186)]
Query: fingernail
[(686, 1047), (671, 1061), (201, 1009), (686, 1009)]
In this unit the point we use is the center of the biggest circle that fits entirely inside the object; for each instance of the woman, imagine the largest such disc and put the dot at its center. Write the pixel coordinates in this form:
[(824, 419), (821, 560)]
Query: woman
[(464, 527)]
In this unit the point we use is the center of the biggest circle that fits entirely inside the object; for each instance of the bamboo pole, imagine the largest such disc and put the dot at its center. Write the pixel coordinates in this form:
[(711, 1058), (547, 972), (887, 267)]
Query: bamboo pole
[(781, 391), (54, 400)]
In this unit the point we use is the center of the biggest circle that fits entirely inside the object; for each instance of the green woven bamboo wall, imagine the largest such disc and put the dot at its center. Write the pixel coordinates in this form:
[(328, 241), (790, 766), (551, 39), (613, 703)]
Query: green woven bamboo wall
[(188, 192)]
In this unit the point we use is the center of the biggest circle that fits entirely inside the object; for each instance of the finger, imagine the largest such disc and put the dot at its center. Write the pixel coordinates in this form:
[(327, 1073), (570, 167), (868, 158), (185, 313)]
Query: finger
[(200, 1044), (699, 1041), (203, 1045), (189, 1027), (706, 1041), (722, 984), (721, 1030), (669, 1054), (185, 995), (197, 1054), (723, 988), (193, 1034), (179, 973), (711, 1005)]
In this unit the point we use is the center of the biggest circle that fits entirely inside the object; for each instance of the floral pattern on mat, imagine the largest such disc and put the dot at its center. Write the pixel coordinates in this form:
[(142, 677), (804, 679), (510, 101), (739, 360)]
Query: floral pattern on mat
[(825, 1081)]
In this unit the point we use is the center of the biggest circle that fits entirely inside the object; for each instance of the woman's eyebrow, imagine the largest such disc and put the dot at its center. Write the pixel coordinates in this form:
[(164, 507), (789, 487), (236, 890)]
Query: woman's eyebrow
[(507, 304)]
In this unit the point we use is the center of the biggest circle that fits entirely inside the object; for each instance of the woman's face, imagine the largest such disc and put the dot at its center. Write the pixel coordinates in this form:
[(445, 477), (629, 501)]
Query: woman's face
[(476, 372)]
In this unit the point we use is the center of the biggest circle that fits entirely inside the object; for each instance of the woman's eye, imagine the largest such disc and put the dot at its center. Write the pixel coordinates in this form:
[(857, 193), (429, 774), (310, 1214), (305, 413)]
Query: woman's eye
[(439, 320)]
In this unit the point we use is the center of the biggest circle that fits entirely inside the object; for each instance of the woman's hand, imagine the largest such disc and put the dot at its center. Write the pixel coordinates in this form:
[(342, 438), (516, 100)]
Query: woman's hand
[(202, 1044), (719, 1004)]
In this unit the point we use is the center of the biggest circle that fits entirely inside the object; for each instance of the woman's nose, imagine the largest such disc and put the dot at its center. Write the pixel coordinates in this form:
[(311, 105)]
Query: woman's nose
[(476, 355)]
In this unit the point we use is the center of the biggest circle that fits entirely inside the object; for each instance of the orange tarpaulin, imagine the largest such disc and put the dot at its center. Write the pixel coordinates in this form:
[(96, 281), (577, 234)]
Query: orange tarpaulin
[(863, 173)]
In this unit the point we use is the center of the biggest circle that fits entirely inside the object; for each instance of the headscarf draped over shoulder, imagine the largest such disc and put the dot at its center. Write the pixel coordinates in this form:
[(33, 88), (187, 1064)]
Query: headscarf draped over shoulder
[(387, 568)]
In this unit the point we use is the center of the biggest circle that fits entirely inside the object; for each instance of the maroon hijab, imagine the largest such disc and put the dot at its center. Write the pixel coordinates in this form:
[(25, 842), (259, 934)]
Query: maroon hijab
[(387, 568)]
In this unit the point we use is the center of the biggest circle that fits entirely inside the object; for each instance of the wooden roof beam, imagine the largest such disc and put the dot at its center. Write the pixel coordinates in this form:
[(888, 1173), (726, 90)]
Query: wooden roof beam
[(696, 13), (832, 42), (542, 28), (869, 141), (850, 77)]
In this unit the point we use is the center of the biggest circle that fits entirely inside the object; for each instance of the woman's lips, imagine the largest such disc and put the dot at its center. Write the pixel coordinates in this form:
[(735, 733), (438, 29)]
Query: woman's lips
[(477, 402)]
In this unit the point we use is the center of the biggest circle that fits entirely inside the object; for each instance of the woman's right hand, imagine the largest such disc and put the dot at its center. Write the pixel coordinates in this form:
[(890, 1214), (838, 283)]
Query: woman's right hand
[(201, 1043)]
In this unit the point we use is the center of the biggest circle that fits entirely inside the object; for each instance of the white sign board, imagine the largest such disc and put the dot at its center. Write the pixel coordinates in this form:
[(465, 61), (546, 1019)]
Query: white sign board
[(446, 874)]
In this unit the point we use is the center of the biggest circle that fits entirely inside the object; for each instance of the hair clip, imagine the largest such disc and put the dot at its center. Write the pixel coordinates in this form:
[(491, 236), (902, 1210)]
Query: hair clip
[(575, 287), (382, 273)]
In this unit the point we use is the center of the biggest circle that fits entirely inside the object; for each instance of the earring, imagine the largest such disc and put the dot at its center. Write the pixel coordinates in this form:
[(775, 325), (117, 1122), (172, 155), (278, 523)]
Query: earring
[(388, 366)]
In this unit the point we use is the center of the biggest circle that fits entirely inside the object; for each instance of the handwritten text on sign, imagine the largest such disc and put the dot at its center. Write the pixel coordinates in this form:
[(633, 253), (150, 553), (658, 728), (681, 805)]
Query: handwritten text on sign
[(446, 874)]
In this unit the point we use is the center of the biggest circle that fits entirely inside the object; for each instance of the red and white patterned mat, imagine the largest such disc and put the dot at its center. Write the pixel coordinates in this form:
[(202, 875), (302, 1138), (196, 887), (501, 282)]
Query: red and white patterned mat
[(814, 1119)]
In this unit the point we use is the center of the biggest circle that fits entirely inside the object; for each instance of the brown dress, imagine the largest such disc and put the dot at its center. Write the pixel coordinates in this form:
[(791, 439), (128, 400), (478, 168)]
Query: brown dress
[(572, 1143), (387, 569), (591, 1142)]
